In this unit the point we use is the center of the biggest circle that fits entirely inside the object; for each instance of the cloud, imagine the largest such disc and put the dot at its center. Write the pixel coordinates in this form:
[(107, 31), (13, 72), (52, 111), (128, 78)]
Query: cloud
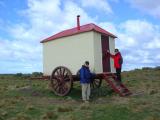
[(115, 1), (17, 55), (71, 10), (149, 6), (109, 26), (101, 5), (155, 43), (139, 41), (22, 47)]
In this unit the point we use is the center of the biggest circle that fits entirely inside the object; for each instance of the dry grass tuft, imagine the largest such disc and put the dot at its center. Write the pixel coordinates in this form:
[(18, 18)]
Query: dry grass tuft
[(13, 102), (64, 109), (153, 91), (30, 107), (4, 113), (152, 118), (68, 117), (21, 116), (20, 98), (2, 103), (49, 115), (84, 106)]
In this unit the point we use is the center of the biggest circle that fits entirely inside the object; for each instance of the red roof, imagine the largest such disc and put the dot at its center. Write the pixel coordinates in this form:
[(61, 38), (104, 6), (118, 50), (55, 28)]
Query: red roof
[(73, 31)]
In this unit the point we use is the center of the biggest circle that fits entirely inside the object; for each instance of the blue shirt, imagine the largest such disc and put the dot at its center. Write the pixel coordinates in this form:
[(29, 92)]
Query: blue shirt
[(85, 75)]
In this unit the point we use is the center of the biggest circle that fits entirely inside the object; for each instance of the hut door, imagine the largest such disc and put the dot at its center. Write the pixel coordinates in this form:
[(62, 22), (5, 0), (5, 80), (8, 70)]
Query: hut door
[(105, 59)]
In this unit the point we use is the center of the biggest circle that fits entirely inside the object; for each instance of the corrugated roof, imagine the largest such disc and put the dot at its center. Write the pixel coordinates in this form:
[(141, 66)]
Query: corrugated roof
[(73, 31)]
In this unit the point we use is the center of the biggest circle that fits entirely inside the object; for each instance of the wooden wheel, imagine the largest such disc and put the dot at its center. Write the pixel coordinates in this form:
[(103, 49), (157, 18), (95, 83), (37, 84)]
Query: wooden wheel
[(96, 83), (61, 81)]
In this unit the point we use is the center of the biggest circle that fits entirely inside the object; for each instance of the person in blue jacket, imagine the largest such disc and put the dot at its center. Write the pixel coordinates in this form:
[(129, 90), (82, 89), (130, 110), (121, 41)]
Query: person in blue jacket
[(85, 80)]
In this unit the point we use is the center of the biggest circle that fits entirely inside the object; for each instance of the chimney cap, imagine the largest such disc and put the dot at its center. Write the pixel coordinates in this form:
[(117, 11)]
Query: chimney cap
[(78, 15)]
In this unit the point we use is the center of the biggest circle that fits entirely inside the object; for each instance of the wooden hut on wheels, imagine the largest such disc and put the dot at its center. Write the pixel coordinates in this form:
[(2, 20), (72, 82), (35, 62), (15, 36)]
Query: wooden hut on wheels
[(71, 47), (65, 52)]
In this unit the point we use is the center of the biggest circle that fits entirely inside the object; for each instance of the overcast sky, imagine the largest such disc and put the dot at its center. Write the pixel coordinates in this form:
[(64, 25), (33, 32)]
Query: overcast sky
[(24, 23)]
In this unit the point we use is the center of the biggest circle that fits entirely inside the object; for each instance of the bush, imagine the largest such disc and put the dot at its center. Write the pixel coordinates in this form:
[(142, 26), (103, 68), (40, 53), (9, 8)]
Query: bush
[(37, 74), (147, 68), (137, 69), (157, 68), (19, 75)]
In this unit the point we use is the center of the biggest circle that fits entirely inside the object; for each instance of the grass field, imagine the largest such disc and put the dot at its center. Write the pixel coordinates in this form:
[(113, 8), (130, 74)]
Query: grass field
[(22, 99)]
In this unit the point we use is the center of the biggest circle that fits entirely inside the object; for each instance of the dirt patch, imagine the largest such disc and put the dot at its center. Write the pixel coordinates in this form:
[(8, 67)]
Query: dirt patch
[(30, 91), (26, 89), (140, 93)]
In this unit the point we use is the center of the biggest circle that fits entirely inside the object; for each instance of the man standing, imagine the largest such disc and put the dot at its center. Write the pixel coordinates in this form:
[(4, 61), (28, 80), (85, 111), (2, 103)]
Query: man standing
[(118, 60), (85, 80)]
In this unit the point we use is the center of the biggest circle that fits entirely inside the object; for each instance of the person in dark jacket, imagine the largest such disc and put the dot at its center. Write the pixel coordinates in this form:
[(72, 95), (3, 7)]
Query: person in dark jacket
[(118, 61), (85, 80)]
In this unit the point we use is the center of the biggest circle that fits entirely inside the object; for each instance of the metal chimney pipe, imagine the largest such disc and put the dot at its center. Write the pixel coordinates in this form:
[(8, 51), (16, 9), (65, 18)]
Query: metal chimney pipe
[(78, 22)]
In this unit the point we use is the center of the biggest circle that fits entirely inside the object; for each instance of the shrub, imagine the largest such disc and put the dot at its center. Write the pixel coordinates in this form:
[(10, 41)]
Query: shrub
[(19, 75), (37, 74), (147, 68), (157, 68)]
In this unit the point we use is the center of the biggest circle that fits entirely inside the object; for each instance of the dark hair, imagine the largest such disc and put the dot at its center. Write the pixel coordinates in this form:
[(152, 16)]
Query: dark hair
[(87, 62), (116, 50)]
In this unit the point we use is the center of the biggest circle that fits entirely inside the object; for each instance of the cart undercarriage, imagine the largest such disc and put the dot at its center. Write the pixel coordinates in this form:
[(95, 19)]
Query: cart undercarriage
[(62, 81)]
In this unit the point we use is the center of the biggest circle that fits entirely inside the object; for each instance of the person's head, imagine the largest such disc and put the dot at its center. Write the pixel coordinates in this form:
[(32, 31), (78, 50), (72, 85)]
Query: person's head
[(116, 50), (86, 63)]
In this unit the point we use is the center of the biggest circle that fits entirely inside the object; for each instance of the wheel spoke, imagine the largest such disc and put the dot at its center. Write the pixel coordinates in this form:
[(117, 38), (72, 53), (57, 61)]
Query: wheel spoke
[(56, 77), (63, 72), (66, 75), (59, 89), (58, 73), (63, 89), (56, 86), (97, 82), (66, 80)]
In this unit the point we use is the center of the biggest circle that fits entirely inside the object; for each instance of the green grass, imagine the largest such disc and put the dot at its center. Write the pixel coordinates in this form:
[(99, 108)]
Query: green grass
[(22, 99)]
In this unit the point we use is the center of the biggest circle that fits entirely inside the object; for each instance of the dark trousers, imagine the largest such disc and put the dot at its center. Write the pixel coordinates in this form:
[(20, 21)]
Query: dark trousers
[(118, 74)]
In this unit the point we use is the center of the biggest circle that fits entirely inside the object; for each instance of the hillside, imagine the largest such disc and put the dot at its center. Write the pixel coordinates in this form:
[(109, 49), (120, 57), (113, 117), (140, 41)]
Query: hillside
[(23, 99)]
